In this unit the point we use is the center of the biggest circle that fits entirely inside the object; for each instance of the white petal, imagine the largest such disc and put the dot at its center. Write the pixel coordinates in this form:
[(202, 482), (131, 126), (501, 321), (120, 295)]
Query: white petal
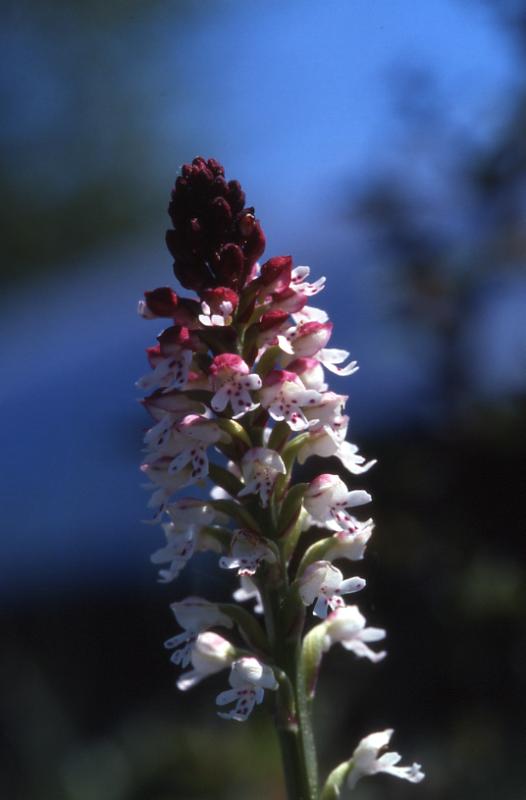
[(351, 585)]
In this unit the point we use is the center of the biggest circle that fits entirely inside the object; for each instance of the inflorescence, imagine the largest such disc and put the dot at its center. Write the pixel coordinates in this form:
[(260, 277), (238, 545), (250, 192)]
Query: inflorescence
[(240, 374)]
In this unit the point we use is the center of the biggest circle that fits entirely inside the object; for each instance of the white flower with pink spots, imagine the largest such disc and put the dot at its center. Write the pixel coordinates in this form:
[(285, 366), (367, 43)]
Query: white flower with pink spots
[(324, 584), (347, 626), (248, 678), (247, 552), (327, 498), (284, 396), (194, 615), (260, 468), (209, 654), (232, 383)]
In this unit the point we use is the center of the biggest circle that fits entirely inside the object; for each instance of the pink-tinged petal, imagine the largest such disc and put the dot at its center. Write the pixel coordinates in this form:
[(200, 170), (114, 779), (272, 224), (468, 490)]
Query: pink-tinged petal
[(310, 314), (310, 337), (226, 364), (288, 300)]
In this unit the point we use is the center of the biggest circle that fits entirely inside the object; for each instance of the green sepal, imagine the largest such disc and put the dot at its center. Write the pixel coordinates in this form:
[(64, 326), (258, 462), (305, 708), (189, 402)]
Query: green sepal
[(219, 340), (286, 715), (290, 539), (291, 508), (316, 552), (279, 436), (234, 429), (201, 395), (237, 512), (268, 360), (249, 628), (310, 659), (291, 449), (225, 479), (333, 785), (222, 536)]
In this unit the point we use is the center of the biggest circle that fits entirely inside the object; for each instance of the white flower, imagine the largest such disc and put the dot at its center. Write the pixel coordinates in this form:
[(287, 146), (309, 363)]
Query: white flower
[(329, 440), (327, 498), (194, 615), (169, 372), (322, 442), (248, 591), (173, 404), (328, 409), (367, 761), (310, 371), (350, 543), (332, 357), (210, 653), (324, 583), (184, 534), (300, 285), (247, 551), (308, 338), (184, 442), (284, 395), (260, 467), (232, 383), (347, 626), (352, 460), (248, 679), (309, 314), (179, 548), (167, 482)]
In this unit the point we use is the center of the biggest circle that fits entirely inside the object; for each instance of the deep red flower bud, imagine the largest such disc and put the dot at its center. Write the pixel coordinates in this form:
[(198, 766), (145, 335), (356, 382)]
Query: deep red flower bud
[(161, 302), (255, 244), (272, 319), (277, 272), (230, 264), (236, 196)]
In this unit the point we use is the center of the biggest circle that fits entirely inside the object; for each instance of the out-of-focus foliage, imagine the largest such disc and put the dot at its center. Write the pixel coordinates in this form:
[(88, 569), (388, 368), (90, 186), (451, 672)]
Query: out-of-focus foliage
[(76, 147)]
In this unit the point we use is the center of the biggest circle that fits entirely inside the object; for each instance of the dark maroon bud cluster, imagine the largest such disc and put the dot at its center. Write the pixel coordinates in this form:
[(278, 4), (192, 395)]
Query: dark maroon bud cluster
[(215, 240)]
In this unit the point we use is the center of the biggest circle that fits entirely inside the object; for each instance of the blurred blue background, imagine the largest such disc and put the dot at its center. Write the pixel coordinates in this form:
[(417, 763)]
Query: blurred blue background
[(382, 143)]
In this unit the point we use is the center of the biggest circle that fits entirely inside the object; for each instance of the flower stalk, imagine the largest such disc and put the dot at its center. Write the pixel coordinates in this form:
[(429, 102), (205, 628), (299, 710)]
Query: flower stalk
[(237, 394)]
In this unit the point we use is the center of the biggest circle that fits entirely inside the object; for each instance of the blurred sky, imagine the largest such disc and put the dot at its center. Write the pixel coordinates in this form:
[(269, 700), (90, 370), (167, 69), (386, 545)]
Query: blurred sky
[(297, 100)]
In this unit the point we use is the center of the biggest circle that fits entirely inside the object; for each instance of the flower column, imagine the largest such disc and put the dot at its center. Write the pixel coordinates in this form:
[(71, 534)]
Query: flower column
[(237, 395)]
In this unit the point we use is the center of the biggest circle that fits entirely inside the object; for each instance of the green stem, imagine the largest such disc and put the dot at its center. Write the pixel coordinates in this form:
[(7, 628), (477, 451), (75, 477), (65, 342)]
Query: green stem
[(303, 705), (293, 713)]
